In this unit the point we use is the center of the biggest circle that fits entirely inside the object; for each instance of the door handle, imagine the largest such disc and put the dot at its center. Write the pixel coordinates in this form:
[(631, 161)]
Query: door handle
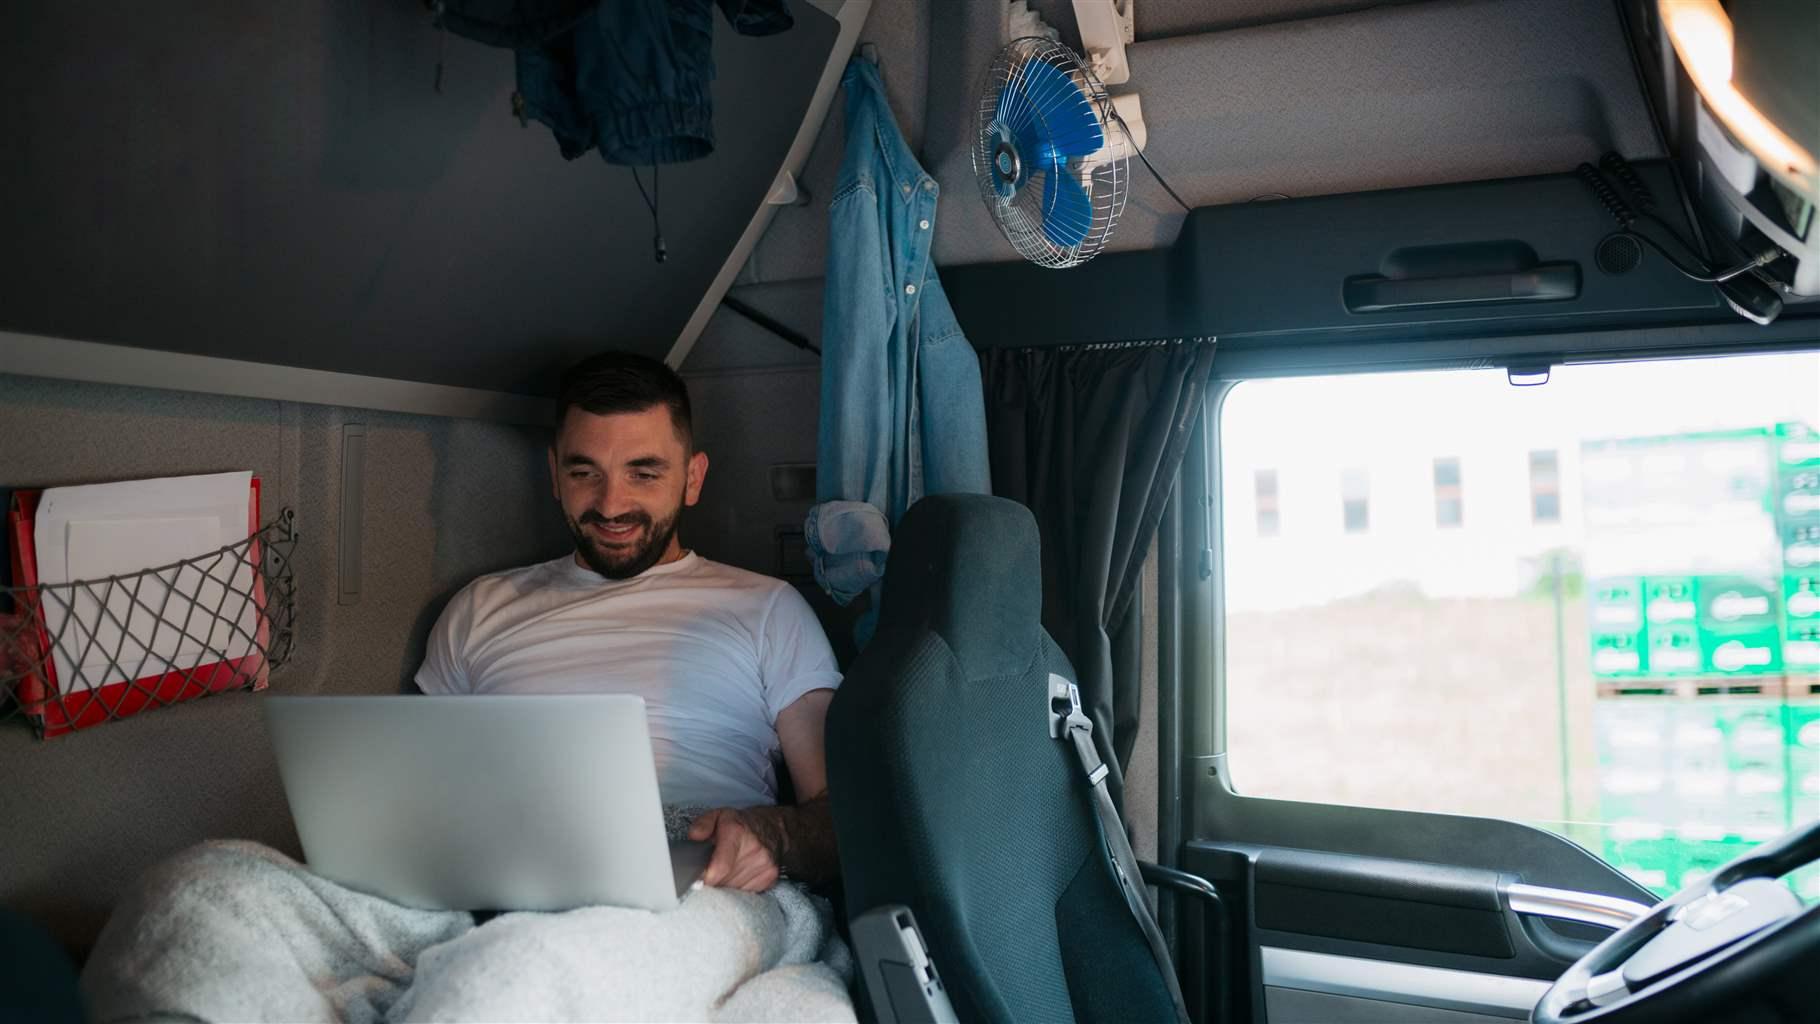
[(1568, 905), (1461, 274)]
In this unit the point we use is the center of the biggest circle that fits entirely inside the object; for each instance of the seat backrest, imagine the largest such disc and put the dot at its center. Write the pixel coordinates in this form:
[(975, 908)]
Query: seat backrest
[(950, 797)]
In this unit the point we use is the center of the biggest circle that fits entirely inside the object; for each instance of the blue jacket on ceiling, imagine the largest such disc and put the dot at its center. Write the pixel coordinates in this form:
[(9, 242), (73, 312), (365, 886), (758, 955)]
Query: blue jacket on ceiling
[(630, 77), (902, 413)]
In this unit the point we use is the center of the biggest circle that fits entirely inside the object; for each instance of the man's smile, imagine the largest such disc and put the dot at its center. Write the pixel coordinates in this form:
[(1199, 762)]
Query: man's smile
[(616, 533)]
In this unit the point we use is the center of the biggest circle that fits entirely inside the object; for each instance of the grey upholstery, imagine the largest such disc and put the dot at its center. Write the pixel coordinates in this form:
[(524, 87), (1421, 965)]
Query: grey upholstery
[(950, 797)]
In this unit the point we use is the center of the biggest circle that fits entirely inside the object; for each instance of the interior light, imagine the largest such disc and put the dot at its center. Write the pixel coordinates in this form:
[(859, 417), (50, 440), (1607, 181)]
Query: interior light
[(1702, 36)]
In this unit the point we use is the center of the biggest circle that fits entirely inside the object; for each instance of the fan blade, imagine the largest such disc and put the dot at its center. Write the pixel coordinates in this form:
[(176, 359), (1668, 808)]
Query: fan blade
[(1052, 112), (1067, 212)]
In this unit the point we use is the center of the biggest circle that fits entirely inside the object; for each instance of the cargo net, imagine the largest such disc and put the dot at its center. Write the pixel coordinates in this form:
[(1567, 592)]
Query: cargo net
[(78, 654)]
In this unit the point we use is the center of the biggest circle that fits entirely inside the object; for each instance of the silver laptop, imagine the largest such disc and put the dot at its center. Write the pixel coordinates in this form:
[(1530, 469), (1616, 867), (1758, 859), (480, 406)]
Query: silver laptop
[(481, 802)]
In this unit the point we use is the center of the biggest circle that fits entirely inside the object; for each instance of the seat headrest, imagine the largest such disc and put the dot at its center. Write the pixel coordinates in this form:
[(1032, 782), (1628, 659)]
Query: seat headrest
[(969, 568)]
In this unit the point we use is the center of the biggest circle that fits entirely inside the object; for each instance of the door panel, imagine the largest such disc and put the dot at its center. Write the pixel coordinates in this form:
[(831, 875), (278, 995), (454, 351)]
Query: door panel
[(1382, 936), (1366, 900), (1372, 984), (1288, 1005)]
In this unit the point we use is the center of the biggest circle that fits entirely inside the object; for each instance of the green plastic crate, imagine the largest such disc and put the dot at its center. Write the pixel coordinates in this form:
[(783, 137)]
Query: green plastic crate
[(1674, 650), (1670, 599), (1797, 473), (1800, 546), (1801, 613), (1797, 444), (1655, 864), (1738, 604), (1698, 858), (1697, 743), (1620, 656), (1740, 620), (1803, 761), (1743, 654), (1634, 732), (1619, 640), (1756, 731)]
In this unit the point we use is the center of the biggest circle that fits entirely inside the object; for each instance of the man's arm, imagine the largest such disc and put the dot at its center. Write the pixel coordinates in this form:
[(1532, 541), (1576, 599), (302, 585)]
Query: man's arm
[(443, 669), (752, 844)]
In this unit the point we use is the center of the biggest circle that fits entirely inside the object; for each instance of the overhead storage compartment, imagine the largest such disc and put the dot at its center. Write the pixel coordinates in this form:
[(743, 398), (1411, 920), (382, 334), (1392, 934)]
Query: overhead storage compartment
[(1517, 256)]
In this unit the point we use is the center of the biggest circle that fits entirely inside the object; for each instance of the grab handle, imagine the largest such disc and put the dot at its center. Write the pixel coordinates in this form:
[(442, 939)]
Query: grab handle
[(1547, 282)]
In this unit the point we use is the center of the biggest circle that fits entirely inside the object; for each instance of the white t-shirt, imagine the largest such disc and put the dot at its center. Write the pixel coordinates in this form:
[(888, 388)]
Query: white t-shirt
[(716, 652)]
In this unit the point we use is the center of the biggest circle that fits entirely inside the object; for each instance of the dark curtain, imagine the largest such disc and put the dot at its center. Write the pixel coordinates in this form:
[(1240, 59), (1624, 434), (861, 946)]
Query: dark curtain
[(1090, 439)]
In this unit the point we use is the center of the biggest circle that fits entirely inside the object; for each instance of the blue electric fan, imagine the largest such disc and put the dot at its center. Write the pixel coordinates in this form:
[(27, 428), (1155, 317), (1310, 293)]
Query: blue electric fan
[(1050, 155)]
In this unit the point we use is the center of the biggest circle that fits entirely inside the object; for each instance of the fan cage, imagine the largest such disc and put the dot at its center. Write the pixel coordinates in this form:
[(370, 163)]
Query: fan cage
[(1103, 176)]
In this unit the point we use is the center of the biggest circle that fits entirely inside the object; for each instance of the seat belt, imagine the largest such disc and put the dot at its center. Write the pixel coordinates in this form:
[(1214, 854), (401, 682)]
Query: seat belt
[(1068, 723)]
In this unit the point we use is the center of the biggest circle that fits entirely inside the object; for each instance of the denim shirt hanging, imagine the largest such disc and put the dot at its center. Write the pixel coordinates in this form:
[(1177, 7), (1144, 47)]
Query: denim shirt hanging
[(901, 409)]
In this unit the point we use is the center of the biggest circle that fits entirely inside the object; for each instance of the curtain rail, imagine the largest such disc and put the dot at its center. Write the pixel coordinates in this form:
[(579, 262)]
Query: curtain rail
[(1109, 346)]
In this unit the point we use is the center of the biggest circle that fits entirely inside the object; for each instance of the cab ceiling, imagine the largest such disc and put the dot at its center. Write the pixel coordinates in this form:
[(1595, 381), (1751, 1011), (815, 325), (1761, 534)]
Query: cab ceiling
[(284, 183), (1254, 99)]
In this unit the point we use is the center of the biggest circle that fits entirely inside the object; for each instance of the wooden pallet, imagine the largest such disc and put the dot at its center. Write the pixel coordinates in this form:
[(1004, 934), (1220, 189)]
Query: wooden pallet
[(1776, 688), (1804, 687)]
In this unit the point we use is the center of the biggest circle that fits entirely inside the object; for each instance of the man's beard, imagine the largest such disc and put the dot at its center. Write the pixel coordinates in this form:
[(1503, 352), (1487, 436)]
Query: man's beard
[(625, 562)]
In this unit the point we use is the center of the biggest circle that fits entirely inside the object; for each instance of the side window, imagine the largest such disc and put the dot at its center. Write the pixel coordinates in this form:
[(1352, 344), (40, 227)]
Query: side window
[(1619, 641)]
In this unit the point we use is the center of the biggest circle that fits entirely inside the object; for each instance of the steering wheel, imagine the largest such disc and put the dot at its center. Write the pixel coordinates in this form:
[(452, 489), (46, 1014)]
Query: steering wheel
[(1708, 953)]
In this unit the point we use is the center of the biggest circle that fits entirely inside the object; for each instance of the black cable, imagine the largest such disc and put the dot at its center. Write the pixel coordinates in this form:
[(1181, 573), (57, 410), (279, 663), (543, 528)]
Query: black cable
[(1641, 198), (1607, 196), (658, 251), (1614, 164), (1705, 275), (1153, 171), (769, 323), (1627, 216)]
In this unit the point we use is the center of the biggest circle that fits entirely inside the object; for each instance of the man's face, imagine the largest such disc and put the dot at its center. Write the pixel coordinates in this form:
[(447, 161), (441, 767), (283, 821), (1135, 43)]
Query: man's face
[(622, 480)]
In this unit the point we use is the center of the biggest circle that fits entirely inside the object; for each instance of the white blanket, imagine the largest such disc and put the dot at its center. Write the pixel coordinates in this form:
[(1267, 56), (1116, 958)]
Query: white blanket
[(236, 931)]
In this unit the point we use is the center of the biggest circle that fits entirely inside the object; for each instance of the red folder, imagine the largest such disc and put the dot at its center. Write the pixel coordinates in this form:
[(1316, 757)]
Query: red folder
[(56, 713)]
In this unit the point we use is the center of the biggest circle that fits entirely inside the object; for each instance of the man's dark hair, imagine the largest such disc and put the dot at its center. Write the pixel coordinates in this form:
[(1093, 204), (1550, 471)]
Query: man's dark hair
[(615, 382)]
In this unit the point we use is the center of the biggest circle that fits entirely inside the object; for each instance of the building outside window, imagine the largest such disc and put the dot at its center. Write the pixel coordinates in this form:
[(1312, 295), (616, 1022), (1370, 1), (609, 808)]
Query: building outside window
[(1270, 520), (1544, 487), (1355, 500), (1450, 506)]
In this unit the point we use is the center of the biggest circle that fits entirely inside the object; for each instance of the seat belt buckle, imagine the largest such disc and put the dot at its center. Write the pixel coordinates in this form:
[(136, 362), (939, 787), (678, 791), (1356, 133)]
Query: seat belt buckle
[(1065, 714)]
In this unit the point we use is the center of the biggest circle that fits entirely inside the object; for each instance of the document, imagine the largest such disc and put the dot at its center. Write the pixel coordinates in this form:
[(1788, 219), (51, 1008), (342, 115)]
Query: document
[(145, 624)]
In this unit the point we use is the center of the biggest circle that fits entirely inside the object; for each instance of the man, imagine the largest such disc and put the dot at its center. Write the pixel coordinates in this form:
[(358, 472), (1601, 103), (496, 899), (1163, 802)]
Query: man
[(733, 666)]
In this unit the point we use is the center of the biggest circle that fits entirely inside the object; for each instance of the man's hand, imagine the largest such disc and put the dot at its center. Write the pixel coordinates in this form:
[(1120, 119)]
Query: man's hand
[(741, 859), (754, 846)]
